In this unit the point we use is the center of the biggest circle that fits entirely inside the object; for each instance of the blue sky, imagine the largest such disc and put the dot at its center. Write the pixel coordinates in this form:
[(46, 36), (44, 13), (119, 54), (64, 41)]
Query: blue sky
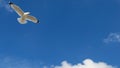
[(69, 30)]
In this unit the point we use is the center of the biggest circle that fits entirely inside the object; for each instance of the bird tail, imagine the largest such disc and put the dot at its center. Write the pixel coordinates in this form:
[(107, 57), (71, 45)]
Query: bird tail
[(21, 21)]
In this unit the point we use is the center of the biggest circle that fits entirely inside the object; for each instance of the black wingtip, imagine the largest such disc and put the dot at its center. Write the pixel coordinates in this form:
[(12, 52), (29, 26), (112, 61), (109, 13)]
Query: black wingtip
[(38, 21), (10, 3)]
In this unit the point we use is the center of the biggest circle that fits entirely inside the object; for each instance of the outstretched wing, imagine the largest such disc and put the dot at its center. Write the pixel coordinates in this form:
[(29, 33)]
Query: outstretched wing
[(17, 9), (32, 18)]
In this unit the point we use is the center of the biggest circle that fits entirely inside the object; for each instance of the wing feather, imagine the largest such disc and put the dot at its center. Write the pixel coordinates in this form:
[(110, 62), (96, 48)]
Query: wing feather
[(32, 18), (17, 9)]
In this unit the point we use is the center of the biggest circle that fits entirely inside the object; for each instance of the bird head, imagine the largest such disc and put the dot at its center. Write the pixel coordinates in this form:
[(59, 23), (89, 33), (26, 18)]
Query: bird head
[(26, 13)]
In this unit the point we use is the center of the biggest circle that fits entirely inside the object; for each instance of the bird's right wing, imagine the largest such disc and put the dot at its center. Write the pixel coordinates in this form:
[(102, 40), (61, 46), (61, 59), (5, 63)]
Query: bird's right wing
[(17, 9), (33, 19)]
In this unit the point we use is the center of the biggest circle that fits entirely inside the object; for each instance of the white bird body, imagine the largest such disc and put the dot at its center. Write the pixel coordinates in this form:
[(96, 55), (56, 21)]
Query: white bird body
[(22, 19), (24, 16)]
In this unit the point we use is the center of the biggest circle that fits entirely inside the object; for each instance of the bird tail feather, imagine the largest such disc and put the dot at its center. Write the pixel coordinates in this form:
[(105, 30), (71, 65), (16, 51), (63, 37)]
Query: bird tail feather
[(21, 21)]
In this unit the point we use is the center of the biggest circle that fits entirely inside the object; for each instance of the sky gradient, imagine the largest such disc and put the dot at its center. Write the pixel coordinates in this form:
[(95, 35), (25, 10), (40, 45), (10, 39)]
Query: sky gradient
[(70, 31)]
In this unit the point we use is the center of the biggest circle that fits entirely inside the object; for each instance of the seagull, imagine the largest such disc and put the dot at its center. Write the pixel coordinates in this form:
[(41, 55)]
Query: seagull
[(24, 16)]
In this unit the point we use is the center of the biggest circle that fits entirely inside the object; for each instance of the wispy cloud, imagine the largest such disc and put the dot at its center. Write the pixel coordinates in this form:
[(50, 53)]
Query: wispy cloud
[(4, 4), (14, 63), (112, 37), (87, 63)]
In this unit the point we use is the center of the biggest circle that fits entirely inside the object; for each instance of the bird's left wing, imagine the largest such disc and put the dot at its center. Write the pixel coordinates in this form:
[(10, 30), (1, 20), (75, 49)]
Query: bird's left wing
[(17, 9), (32, 18)]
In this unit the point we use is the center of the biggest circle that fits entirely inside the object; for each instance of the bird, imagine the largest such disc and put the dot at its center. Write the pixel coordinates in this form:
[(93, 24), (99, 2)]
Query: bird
[(24, 16)]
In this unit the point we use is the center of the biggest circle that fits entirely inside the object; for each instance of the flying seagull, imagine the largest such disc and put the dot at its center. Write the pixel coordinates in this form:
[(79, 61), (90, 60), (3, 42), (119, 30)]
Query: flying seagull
[(24, 16)]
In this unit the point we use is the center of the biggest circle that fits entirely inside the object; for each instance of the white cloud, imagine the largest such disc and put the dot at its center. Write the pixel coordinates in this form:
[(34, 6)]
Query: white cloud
[(4, 4), (112, 37), (88, 63)]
